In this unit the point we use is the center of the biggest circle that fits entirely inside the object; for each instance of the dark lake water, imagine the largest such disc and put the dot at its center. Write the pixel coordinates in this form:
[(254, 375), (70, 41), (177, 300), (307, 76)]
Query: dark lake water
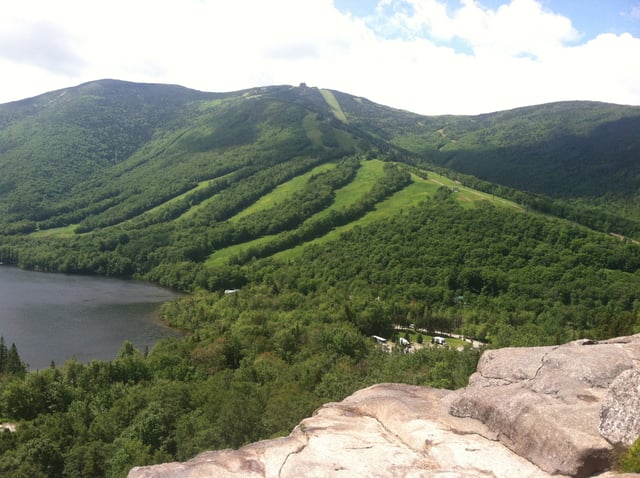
[(58, 316)]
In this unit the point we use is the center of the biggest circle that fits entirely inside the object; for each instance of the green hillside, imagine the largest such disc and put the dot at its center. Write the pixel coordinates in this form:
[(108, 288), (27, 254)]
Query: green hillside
[(187, 188), (172, 185), (574, 149), (108, 151), (567, 150), (301, 222), (579, 153)]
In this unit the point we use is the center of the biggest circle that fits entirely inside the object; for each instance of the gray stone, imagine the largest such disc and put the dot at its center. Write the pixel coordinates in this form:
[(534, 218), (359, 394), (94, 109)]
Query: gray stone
[(544, 402), (620, 412), (387, 430)]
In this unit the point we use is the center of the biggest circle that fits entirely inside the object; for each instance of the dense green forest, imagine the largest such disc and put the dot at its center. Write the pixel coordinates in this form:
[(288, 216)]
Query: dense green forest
[(295, 335), (326, 219)]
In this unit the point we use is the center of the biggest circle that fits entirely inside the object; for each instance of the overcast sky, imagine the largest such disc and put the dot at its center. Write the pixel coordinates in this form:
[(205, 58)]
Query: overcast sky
[(426, 56)]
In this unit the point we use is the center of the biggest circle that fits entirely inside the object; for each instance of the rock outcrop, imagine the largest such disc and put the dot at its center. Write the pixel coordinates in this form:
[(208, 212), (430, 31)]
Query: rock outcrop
[(545, 402), (528, 412), (620, 412)]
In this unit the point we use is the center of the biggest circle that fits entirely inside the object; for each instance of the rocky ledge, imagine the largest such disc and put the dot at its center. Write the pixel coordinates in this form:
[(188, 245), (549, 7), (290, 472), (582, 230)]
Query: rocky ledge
[(527, 412)]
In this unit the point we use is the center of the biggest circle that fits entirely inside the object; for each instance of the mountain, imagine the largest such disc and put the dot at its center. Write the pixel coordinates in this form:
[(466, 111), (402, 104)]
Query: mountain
[(567, 150), (135, 177), (302, 222), (54, 144), (197, 190), (576, 149), (73, 154)]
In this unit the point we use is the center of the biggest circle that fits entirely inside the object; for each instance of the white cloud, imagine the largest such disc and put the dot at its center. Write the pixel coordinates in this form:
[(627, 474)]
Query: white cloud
[(519, 27), (601, 69), (419, 55), (41, 44)]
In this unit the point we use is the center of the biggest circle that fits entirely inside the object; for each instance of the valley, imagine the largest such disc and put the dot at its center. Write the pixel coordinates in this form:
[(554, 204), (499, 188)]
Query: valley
[(334, 219)]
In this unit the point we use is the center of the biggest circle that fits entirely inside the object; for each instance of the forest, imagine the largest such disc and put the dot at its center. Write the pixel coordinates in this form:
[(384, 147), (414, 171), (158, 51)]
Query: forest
[(297, 334), (327, 219)]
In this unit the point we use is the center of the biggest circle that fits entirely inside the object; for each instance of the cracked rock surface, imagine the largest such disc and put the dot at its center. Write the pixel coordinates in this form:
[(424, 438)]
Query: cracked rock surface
[(388, 430), (527, 412), (545, 402)]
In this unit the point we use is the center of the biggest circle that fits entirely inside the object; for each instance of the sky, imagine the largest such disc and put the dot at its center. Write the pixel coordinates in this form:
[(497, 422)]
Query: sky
[(426, 56)]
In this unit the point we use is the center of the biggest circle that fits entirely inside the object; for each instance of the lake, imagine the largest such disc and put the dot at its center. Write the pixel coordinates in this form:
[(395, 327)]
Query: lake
[(59, 316)]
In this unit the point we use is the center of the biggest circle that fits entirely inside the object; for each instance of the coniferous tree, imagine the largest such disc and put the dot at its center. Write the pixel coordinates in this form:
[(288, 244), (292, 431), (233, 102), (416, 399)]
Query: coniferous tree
[(3, 355), (14, 365)]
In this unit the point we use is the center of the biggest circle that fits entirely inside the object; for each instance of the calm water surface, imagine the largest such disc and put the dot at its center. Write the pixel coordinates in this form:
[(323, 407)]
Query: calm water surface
[(58, 316)]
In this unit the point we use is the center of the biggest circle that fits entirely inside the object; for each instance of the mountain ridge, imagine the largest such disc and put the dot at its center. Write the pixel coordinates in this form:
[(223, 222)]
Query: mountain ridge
[(438, 140), (107, 152)]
